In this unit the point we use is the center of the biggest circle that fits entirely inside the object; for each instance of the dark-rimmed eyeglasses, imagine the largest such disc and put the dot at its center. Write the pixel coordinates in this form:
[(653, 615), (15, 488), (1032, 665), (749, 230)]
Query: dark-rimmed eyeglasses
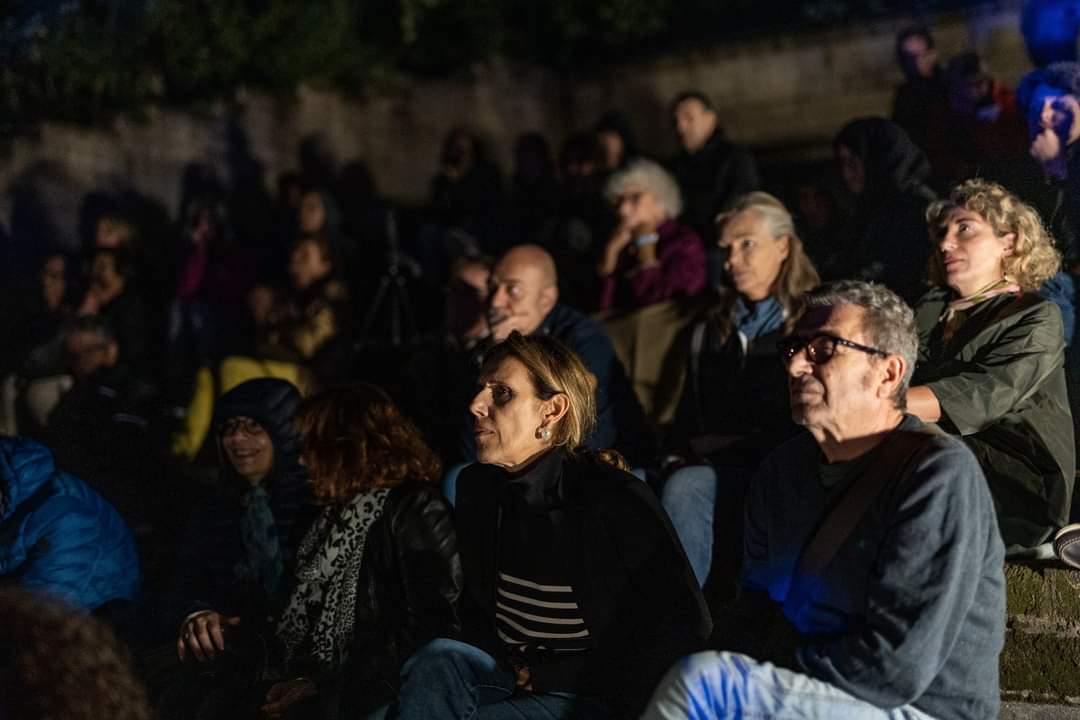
[(820, 347)]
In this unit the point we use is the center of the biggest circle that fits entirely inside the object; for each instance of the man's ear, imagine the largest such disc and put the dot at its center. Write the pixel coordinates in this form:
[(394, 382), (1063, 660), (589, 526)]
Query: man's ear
[(548, 297), (893, 369), (112, 353)]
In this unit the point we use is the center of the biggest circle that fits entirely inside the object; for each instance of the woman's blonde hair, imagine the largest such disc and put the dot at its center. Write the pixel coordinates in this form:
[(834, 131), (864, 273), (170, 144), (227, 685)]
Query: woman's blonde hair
[(642, 174), (797, 272), (354, 438), (554, 369), (1033, 260)]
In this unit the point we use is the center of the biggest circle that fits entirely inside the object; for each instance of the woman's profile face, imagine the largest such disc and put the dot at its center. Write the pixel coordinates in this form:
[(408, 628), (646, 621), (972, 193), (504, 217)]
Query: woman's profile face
[(507, 416), (754, 257), (971, 252), (852, 170), (248, 448), (638, 209)]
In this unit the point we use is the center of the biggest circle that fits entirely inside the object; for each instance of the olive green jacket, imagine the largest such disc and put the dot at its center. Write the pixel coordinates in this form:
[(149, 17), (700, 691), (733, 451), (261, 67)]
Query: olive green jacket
[(1000, 381)]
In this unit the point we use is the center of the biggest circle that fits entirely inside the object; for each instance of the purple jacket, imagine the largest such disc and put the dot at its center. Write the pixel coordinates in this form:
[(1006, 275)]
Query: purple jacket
[(681, 271)]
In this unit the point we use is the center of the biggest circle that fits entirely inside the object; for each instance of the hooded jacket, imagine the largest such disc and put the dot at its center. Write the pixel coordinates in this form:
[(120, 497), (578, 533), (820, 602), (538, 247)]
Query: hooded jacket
[(59, 536), (207, 574), (890, 225)]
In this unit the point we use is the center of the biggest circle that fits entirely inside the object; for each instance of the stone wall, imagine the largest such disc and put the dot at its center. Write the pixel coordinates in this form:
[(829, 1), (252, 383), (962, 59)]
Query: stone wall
[(785, 96)]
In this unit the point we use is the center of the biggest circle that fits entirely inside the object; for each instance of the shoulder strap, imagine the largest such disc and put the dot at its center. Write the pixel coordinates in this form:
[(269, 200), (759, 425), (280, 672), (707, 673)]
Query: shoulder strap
[(891, 462)]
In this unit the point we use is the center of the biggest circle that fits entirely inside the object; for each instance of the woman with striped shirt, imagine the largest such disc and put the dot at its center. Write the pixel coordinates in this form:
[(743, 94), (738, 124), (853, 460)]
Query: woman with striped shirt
[(578, 595)]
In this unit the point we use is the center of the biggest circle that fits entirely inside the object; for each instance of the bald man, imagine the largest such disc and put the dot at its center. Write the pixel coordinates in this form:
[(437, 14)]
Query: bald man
[(523, 295)]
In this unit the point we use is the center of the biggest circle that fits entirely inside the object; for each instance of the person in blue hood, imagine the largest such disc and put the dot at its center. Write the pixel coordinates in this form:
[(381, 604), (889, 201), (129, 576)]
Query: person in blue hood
[(57, 535)]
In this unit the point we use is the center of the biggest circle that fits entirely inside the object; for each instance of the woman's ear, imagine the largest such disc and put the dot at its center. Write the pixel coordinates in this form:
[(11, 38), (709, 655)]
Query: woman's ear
[(785, 246), (555, 410), (1010, 242)]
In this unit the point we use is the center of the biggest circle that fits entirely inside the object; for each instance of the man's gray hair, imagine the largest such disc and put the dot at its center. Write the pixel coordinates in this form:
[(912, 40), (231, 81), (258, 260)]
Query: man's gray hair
[(888, 323), (642, 174)]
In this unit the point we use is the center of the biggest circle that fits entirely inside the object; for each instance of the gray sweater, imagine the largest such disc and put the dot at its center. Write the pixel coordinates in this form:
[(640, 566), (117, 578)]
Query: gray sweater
[(911, 610)]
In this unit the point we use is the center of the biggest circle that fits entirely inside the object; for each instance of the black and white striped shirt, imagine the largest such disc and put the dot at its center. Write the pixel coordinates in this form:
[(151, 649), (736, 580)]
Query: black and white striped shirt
[(532, 616)]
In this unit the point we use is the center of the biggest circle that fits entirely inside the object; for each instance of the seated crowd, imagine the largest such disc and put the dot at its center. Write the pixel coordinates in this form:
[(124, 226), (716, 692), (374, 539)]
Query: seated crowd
[(292, 495)]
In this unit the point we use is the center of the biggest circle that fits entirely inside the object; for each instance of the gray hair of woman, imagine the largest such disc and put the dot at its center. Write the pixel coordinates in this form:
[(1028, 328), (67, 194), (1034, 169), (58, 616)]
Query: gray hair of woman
[(643, 175)]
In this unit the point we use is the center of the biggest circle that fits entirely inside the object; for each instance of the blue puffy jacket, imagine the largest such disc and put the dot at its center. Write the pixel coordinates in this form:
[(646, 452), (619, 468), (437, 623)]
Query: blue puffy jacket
[(59, 536)]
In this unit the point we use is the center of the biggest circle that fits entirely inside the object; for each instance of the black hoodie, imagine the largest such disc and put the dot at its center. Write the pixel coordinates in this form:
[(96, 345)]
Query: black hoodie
[(892, 244)]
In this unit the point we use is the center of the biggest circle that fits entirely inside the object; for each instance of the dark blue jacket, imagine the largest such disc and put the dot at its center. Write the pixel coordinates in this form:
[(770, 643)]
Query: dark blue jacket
[(59, 536)]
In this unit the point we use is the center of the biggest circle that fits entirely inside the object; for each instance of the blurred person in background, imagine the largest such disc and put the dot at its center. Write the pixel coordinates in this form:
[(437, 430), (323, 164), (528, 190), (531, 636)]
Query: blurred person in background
[(57, 663), (710, 170), (887, 175), (651, 256), (60, 537), (615, 137), (923, 96)]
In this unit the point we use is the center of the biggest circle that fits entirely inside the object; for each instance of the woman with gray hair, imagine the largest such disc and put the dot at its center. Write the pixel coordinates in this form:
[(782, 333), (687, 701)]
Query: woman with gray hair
[(651, 256)]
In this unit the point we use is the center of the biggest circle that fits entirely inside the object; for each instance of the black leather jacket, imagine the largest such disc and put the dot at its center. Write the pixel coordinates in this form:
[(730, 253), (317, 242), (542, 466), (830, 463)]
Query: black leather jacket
[(409, 593)]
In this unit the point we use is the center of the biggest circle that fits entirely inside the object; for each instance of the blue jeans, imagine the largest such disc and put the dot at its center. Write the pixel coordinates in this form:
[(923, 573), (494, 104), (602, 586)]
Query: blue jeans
[(727, 685), (451, 680), (689, 497)]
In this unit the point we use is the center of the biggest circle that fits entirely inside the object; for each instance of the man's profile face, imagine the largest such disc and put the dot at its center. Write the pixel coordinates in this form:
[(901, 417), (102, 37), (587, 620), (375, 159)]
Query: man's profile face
[(694, 124), (919, 58), (837, 393), (519, 297)]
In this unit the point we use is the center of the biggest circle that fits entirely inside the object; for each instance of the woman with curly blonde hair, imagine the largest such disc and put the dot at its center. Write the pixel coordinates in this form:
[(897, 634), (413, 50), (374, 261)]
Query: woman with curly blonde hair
[(991, 356), (377, 574)]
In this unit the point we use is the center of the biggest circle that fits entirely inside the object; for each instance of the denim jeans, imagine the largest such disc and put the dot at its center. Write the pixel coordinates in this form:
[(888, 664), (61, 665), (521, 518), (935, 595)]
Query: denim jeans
[(689, 497), (450, 680), (727, 685)]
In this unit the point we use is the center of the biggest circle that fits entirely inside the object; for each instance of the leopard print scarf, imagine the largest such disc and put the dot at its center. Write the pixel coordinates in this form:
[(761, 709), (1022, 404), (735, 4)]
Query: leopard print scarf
[(317, 623)]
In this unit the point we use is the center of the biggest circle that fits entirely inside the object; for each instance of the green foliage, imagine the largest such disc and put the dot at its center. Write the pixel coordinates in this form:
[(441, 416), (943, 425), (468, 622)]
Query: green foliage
[(87, 60)]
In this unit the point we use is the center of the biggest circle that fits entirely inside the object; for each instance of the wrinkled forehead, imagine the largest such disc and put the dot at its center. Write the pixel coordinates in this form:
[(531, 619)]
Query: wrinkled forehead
[(841, 320)]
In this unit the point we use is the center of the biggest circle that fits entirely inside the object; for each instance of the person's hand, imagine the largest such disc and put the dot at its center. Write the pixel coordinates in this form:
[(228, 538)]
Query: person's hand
[(619, 240), (283, 695), (202, 635), (1046, 147), (91, 304)]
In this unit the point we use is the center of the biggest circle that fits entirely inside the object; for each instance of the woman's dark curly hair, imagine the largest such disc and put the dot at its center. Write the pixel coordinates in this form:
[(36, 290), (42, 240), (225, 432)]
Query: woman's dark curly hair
[(57, 663), (354, 438)]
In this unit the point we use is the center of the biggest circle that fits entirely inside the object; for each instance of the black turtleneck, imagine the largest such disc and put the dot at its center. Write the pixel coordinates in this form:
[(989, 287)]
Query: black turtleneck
[(536, 611)]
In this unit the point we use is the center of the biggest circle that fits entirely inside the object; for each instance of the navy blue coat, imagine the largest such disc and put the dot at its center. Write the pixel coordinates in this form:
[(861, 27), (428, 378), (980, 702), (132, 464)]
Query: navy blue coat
[(59, 536)]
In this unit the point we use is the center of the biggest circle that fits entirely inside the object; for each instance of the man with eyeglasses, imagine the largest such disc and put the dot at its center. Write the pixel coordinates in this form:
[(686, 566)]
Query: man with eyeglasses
[(876, 536)]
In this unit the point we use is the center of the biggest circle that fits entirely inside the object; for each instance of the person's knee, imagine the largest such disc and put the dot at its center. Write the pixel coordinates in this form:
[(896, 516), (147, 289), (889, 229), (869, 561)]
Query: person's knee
[(689, 484), (440, 655)]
